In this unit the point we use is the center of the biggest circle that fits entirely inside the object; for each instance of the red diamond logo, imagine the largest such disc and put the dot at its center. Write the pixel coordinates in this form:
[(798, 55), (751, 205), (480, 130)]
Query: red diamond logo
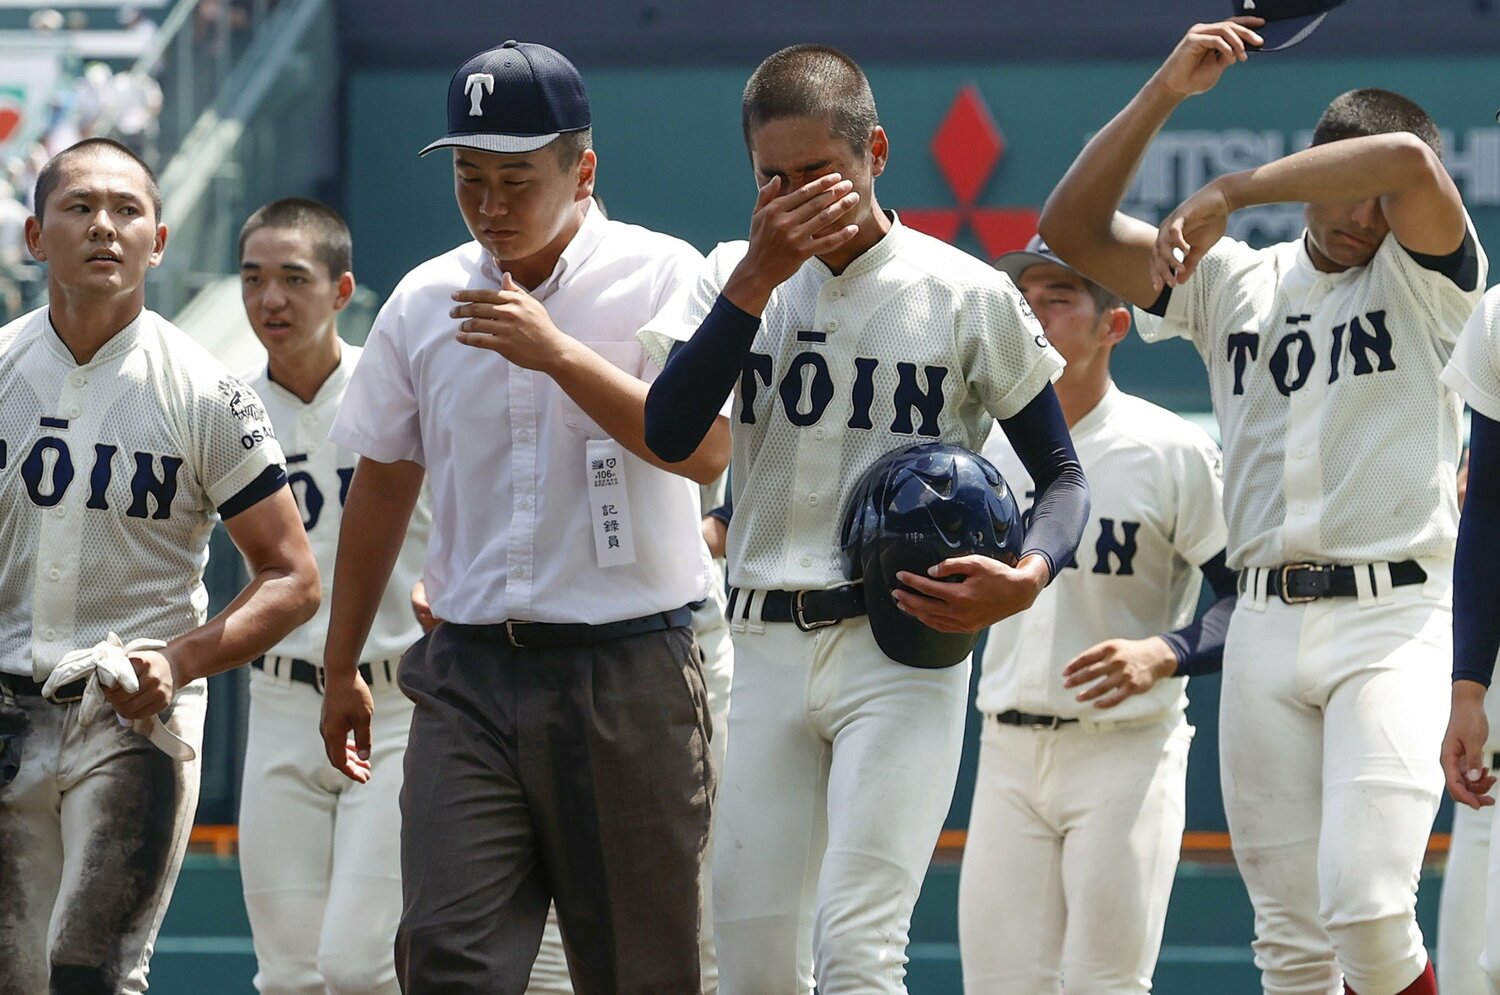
[(968, 145)]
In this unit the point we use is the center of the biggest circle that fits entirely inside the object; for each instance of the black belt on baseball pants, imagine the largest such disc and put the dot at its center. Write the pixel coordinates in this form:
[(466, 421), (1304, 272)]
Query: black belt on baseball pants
[(25, 687), (1029, 721), (809, 610), (553, 635), (1299, 583), (307, 672)]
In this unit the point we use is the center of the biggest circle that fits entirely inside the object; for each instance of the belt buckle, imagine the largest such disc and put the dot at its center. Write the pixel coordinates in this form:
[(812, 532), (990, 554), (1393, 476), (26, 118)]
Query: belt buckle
[(1284, 572), (510, 633), (1053, 722), (320, 677), (799, 617)]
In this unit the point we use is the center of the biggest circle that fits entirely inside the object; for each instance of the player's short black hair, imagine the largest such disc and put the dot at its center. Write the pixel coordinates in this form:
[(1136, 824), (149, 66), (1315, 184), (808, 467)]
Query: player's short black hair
[(811, 81), (47, 179), (329, 233), (571, 145), (1104, 298), (1372, 111)]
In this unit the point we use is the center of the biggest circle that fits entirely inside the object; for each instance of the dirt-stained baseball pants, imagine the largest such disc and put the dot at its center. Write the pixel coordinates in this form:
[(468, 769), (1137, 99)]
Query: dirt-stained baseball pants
[(92, 834), (1331, 719), (840, 770), (320, 856)]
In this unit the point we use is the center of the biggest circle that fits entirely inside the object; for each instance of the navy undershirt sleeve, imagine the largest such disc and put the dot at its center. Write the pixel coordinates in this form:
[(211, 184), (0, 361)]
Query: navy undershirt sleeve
[(724, 512), (1476, 565), (1039, 435), (685, 399), (1199, 645), (1461, 265), (271, 480)]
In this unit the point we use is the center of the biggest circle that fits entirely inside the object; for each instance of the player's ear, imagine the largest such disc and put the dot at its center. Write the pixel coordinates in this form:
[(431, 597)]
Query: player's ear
[(160, 246), (588, 162), (34, 239), (1117, 320), (345, 291), (880, 150)]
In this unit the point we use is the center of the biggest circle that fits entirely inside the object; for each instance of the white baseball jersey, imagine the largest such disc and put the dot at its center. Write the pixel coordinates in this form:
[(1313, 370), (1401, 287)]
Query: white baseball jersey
[(914, 342), (1340, 443), (1474, 370), (522, 528), (319, 471), (111, 476), (1155, 483)]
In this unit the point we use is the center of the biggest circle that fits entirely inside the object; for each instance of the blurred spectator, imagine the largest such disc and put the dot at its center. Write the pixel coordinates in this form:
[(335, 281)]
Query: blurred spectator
[(137, 109), (13, 255), (77, 20), (137, 25), (46, 19)]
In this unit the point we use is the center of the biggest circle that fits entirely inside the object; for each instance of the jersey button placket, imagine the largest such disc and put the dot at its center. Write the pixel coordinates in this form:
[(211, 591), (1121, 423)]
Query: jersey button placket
[(1302, 472)]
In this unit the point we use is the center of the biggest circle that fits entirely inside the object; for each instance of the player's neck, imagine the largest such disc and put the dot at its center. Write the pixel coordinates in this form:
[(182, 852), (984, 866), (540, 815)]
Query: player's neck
[(874, 228), (1080, 390), (305, 372), (534, 270), (85, 324)]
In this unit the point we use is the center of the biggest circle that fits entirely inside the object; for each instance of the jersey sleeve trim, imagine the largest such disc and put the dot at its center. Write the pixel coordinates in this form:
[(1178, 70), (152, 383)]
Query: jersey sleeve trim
[(271, 480)]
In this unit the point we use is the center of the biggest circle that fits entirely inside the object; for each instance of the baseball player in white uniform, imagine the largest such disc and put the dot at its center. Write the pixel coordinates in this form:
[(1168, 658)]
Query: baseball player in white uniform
[(120, 441), (1079, 799), (1340, 446), (319, 854), (843, 336), (1473, 874)]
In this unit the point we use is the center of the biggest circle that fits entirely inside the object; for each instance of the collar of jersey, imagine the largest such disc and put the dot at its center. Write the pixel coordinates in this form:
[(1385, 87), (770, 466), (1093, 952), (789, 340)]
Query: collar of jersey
[(1092, 421), (872, 257), (585, 240), (119, 343), (333, 387)]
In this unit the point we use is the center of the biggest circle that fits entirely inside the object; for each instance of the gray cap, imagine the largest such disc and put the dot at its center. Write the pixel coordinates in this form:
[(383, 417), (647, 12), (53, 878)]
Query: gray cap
[(1013, 264)]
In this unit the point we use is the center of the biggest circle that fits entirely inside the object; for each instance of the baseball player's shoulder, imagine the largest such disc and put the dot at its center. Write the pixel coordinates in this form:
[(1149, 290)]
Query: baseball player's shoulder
[(624, 238), (950, 264), (28, 325), (180, 352), (1136, 421)]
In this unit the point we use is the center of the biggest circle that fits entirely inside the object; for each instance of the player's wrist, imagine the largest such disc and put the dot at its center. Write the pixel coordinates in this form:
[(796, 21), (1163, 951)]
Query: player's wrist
[(747, 290), (1468, 691)]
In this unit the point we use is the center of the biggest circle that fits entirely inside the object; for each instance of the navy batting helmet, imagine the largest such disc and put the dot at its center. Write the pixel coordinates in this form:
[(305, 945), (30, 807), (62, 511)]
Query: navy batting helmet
[(913, 509)]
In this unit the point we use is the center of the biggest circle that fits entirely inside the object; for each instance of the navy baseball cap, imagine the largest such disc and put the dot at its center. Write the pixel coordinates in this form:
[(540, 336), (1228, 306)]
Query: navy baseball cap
[(1013, 264), (515, 98), (1288, 22)]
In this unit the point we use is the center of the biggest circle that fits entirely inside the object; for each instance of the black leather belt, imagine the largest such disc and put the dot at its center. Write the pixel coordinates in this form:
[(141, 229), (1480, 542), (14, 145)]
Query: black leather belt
[(1029, 721), (307, 672), (1299, 583), (22, 686), (552, 635), (809, 610)]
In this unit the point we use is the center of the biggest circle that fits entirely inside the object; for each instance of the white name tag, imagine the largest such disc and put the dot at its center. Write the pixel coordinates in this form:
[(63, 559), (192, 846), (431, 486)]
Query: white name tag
[(609, 503)]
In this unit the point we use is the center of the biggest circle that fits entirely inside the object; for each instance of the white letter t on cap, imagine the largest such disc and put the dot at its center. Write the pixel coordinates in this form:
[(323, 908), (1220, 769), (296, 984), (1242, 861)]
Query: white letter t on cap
[(475, 87)]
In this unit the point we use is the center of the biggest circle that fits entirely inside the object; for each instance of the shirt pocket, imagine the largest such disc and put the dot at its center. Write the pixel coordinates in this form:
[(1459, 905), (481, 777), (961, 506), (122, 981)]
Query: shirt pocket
[(624, 355)]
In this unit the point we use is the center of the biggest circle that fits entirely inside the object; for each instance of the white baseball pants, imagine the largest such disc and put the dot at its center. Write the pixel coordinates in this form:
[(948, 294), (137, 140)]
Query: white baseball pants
[(320, 855), (1073, 844), (840, 770), (92, 834), (1331, 718), (1461, 908)]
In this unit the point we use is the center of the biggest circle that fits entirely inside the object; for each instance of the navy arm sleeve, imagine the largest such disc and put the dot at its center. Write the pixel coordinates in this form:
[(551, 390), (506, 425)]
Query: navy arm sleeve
[(1199, 645), (685, 399), (1476, 566), (1039, 435), (724, 512)]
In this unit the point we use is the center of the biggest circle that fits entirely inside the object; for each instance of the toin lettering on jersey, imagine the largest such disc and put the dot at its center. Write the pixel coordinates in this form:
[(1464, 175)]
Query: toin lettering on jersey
[(805, 392), (1292, 361), (49, 469)]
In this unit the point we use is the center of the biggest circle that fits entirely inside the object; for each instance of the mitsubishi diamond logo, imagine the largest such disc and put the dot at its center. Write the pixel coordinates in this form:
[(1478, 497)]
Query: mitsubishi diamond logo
[(967, 147)]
